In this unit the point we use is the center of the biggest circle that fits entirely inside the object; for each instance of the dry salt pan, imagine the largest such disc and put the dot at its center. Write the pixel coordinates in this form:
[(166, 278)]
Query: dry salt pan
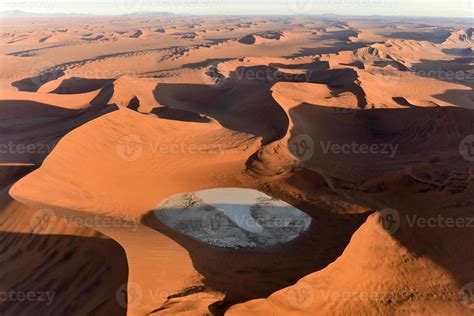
[(233, 218)]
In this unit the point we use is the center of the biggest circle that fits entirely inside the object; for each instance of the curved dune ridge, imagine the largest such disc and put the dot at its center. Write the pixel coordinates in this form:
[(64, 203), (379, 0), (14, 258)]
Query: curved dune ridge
[(154, 164)]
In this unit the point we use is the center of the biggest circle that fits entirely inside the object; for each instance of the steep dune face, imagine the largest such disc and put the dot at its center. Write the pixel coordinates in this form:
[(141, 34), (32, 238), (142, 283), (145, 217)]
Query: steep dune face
[(402, 259), (375, 275), (461, 37), (32, 129), (57, 264), (50, 265), (254, 111), (383, 87), (294, 94), (402, 52), (80, 85), (332, 110), (156, 149), (396, 137)]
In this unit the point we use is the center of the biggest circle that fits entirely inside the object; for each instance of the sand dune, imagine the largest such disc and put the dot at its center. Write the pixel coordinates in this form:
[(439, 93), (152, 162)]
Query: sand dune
[(460, 37), (42, 258), (168, 139), (46, 126), (146, 158), (375, 274)]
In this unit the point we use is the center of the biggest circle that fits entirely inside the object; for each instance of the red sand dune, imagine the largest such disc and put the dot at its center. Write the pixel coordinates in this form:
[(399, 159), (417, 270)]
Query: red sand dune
[(353, 121)]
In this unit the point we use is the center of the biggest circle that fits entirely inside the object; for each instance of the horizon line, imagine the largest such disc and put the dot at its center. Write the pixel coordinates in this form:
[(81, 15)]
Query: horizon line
[(217, 14)]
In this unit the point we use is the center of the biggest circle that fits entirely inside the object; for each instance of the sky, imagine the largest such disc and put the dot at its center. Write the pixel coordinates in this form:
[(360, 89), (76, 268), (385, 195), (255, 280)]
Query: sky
[(446, 8)]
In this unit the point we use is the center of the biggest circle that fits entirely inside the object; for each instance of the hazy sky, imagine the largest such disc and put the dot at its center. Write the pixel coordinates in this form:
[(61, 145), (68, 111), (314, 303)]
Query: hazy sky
[(455, 8)]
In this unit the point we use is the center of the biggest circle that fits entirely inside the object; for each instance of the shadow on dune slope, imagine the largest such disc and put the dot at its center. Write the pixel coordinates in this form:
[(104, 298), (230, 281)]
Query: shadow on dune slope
[(33, 84), (425, 176), (244, 102), (77, 85), (52, 267), (30, 130), (244, 108), (248, 274), (66, 274)]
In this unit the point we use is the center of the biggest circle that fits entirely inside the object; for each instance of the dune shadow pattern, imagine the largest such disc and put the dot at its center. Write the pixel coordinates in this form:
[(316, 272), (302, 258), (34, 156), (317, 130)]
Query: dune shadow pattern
[(39, 126), (62, 275), (426, 178), (247, 274)]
